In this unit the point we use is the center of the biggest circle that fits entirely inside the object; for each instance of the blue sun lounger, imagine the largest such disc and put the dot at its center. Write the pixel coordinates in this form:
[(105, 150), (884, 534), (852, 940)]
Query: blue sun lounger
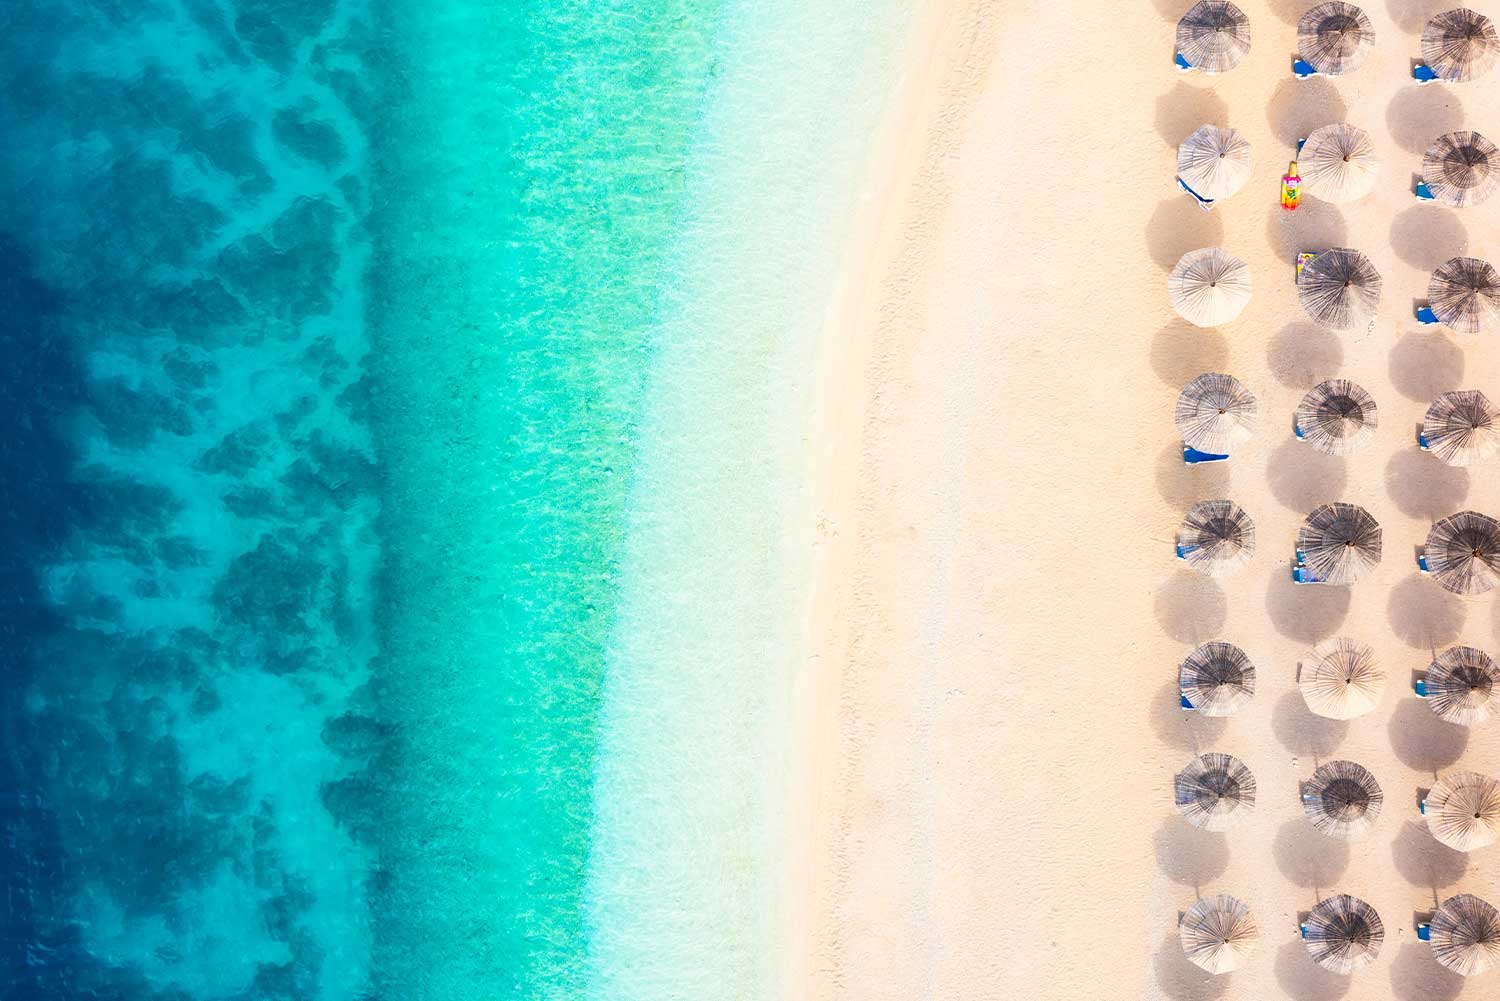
[(1182, 551), (1426, 315), (1424, 931), (1192, 456), (1183, 66), (1203, 203), (1302, 575), (1297, 432), (1183, 701), (1420, 687), (1423, 192), (1302, 929), (1422, 807), (1422, 442), (1422, 563), (1302, 69), (1422, 73)]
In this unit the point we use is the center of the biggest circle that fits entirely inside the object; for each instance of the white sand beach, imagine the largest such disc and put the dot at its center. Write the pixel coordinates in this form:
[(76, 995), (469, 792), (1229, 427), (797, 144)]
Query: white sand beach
[(989, 706)]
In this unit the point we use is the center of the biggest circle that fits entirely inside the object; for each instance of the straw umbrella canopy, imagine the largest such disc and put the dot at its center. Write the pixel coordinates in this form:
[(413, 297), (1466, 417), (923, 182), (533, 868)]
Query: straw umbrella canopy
[(1463, 810), (1339, 543), (1218, 933), (1462, 427), (1338, 163), (1216, 537), (1215, 412), (1460, 683), (1463, 552), (1213, 36), (1343, 681), (1461, 168), (1209, 286), (1335, 37), (1342, 799), (1466, 935), (1215, 791), (1340, 288), (1343, 934), (1465, 294), (1214, 162), (1338, 417), (1217, 678), (1460, 45)]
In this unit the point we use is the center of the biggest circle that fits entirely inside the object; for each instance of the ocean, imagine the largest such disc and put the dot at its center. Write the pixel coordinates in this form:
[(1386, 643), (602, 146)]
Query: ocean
[(406, 531)]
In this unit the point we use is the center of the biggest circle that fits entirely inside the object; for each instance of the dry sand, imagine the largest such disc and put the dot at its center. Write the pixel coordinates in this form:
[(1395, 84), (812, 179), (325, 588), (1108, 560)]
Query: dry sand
[(990, 702)]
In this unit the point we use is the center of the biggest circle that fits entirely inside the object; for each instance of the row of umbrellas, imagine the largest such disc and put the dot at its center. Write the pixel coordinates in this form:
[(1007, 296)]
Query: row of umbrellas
[(1342, 934), (1338, 164), (1458, 45), (1339, 288)]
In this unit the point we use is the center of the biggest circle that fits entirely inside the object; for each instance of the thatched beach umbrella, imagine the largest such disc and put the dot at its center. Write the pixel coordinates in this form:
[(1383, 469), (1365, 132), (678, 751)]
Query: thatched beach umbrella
[(1343, 933), (1213, 36), (1217, 679), (1215, 412), (1460, 45), (1218, 933), (1216, 537), (1337, 417), (1335, 38), (1461, 168), (1463, 552), (1339, 288), (1209, 286), (1465, 935), (1338, 163), (1214, 162), (1342, 681), (1339, 543), (1342, 799), (1460, 683), (1462, 427), (1465, 294), (1463, 810), (1215, 791)]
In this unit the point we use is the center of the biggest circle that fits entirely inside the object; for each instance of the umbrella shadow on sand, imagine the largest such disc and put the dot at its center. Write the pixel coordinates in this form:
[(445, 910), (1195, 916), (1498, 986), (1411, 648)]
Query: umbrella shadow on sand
[(1423, 486), (1423, 741), (1302, 731), (1182, 485), (1424, 614), (1424, 861), (1416, 976), (1191, 608), (1417, 115), (1183, 108), (1304, 354), (1307, 614), (1299, 106), (1189, 730), (1309, 858), (1313, 227), (1177, 226), (1188, 855), (1301, 477), (1422, 365), (1180, 352), (1305, 980), (1425, 238), (1181, 980)]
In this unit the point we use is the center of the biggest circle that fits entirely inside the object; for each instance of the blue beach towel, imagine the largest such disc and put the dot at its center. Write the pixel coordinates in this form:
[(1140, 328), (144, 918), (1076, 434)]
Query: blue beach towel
[(1422, 73), (1426, 315), (1302, 69)]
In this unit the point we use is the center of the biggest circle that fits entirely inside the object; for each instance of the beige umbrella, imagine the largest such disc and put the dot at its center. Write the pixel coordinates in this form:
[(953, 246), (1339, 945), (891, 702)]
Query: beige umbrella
[(1216, 537), (1460, 45), (1462, 427), (1213, 36), (1337, 417), (1215, 412), (1463, 810), (1335, 37), (1342, 681), (1342, 799), (1217, 679), (1209, 286), (1340, 289), (1218, 933), (1338, 163), (1460, 683), (1214, 162), (1463, 552), (1339, 543), (1215, 791), (1465, 935), (1343, 934), (1461, 168), (1464, 293)]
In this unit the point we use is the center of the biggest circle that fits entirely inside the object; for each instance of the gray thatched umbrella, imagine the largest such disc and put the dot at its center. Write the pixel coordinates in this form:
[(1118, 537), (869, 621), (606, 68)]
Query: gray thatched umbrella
[(1465, 935), (1216, 537), (1339, 543), (1465, 294), (1460, 45), (1463, 810), (1340, 288), (1342, 799), (1209, 286), (1463, 552), (1338, 163), (1215, 412), (1214, 162), (1217, 679), (1337, 417), (1218, 933), (1462, 427), (1342, 681), (1213, 36), (1215, 791), (1460, 683), (1343, 933), (1335, 37), (1461, 168)]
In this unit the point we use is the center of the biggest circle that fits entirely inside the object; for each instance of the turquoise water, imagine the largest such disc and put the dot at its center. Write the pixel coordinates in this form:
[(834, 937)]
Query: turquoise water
[(406, 527)]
